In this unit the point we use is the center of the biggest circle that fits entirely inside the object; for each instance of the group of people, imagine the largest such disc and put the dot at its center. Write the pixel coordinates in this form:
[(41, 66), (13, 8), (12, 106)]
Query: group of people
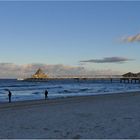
[(10, 95)]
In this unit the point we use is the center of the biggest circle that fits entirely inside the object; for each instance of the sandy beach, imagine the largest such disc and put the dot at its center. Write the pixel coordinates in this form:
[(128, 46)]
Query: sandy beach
[(100, 116)]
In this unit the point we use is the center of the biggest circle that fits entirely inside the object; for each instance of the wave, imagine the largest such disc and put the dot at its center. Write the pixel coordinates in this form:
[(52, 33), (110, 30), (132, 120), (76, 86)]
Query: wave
[(25, 91), (74, 90), (56, 87), (36, 93), (84, 89)]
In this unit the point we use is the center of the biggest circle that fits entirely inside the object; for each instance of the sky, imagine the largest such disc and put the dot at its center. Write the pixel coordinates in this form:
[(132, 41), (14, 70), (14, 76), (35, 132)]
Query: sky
[(75, 37)]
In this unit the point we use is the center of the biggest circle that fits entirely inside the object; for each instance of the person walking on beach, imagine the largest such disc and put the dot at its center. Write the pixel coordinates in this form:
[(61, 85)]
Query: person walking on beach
[(46, 94), (9, 95)]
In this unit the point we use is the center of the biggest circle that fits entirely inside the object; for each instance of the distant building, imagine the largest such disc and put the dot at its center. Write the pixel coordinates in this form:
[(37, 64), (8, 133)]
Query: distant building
[(129, 74), (38, 76), (130, 77), (138, 74)]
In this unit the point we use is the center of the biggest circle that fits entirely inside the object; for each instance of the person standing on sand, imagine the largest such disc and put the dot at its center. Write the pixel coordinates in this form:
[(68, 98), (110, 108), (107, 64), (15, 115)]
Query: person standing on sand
[(9, 95), (46, 94)]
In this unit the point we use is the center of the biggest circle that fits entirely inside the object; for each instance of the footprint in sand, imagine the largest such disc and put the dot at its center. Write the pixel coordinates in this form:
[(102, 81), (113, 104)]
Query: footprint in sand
[(56, 131), (77, 137), (46, 129), (113, 120), (127, 118)]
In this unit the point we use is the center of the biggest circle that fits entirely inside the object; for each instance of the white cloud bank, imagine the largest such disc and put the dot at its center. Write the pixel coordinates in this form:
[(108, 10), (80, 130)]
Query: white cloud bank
[(11, 70)]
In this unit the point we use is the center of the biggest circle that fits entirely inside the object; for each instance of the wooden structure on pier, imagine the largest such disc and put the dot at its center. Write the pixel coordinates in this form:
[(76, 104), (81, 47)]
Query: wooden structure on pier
[(38, 76), (130, 78)]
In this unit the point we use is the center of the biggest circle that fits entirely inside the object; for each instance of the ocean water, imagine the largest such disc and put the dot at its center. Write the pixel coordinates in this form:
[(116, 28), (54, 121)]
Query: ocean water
[(22, 90)]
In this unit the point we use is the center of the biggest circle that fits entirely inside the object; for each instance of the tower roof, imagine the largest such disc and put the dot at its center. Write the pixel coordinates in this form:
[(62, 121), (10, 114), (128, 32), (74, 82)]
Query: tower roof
[(39, 71), (129, 74), (39, 74)]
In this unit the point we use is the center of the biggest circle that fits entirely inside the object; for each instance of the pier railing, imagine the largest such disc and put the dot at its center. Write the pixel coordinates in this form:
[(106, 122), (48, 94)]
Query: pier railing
[(112, 78), (122, 79)]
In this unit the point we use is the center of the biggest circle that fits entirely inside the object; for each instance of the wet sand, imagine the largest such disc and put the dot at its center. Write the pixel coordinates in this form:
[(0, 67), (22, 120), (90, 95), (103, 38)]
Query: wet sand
[(100, 116)]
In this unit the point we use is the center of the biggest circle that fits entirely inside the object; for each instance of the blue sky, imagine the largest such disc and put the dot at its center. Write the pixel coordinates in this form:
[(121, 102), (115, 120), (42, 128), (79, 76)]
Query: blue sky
[(66, 33)]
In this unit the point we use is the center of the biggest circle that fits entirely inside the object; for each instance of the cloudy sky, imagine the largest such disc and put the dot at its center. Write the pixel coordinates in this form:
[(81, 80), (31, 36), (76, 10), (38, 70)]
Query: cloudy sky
[(69, 37)]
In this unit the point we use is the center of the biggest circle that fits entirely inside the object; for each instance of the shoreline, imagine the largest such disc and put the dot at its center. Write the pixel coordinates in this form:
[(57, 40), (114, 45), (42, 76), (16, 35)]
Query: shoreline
[(66, 99)]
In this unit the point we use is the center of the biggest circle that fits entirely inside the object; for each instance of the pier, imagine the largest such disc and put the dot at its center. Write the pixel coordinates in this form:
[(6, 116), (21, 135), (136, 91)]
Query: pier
[(121, 79), (126, 78), (102, 78)]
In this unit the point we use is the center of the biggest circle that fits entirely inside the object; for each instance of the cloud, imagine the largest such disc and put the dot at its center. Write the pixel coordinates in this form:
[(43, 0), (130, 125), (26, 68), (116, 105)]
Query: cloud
[(11, 70), (108, 60), (134, 38)]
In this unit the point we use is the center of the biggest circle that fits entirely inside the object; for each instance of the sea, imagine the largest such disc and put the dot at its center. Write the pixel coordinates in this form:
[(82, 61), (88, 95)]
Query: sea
[(25, 90)]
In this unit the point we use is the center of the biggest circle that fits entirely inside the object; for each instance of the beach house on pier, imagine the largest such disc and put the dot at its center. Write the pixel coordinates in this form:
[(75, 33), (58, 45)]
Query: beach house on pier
[(130, 77), (130, 74)]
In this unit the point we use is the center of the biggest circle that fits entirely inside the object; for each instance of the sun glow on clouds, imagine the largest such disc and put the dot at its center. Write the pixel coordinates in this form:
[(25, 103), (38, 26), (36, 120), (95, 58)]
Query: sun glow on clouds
[(11, 70), (133, 38)]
